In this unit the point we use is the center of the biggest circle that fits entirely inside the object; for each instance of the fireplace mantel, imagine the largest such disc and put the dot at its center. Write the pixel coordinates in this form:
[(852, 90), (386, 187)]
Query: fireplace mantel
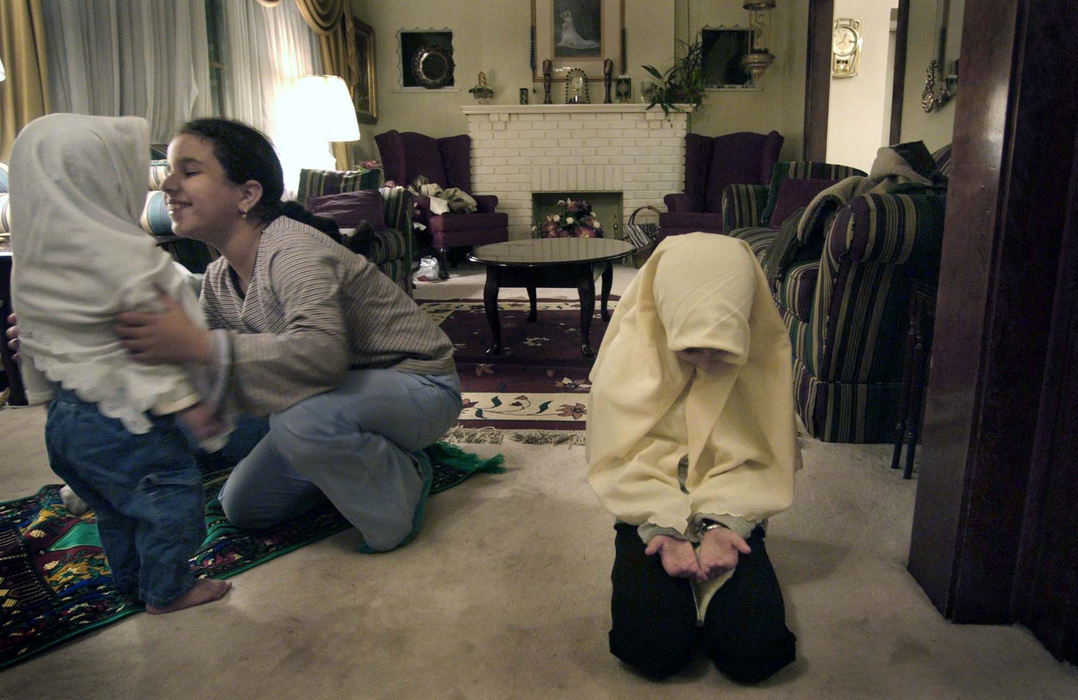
[(577, 109), (518, 150)]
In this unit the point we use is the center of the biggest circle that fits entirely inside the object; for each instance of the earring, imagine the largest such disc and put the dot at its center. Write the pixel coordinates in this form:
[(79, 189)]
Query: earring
[(243, 213)]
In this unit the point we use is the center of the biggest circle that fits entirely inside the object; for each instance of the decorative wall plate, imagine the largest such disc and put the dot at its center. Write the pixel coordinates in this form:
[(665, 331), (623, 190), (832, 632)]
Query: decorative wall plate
[(432, 67), (576, 87)]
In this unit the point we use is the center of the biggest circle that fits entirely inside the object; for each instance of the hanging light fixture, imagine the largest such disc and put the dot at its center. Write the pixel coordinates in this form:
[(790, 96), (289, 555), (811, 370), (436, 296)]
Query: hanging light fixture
[(759, 57)]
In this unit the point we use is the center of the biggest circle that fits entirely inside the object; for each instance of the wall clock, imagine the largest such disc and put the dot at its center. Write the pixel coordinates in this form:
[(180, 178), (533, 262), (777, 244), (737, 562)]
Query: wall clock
[(845, 47)]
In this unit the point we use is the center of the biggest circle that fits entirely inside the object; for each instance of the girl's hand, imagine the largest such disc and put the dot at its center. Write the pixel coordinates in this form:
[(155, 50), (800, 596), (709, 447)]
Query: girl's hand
[(719, 551), (678, 556), (164, 337)]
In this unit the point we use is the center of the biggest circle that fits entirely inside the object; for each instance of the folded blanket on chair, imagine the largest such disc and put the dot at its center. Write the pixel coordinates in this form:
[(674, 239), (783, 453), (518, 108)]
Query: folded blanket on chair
[(895, 166)]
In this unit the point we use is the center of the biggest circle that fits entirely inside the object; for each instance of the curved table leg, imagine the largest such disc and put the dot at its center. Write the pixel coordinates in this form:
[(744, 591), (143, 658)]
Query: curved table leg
[(586, 289), (608, 282), (490, 306), (533, 312)]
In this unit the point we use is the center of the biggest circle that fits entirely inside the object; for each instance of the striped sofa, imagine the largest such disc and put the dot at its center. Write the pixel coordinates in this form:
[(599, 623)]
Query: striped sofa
[(844, 297), (392, 247)]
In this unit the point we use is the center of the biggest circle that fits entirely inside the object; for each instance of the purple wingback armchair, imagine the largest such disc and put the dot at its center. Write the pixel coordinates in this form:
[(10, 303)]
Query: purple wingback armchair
[(446, 161), (712, 163)]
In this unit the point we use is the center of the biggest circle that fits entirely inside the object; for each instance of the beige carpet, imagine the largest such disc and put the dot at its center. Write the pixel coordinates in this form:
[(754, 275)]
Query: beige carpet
[(505, 595)]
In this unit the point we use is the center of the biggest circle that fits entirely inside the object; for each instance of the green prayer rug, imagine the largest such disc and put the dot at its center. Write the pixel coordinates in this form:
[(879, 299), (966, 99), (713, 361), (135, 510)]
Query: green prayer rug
[(55, 583)]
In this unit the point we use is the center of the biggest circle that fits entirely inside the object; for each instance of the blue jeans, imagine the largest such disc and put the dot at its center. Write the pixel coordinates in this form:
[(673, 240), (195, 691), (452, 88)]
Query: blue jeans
[(146, 491), (353, 445)]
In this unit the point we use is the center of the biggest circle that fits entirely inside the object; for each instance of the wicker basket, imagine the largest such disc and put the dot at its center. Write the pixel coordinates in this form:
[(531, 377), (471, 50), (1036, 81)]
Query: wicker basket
[(642, 234)]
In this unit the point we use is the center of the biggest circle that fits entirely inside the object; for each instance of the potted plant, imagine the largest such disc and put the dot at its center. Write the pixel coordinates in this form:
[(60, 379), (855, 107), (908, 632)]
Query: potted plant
[(682, 83)]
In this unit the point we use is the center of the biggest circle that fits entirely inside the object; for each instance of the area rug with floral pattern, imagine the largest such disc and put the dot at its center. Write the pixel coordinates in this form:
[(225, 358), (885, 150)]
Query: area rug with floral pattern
[(535, 389), (55, 583)]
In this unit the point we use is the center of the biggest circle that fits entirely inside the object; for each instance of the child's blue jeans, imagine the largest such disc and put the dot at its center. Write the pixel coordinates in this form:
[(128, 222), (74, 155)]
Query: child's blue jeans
[(146, 491)]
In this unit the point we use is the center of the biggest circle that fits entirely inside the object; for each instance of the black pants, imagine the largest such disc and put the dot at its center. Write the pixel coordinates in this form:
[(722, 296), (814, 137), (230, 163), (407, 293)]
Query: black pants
[(654, 615)]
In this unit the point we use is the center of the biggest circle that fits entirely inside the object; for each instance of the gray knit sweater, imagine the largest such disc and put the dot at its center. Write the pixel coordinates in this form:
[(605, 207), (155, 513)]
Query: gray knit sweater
[(312, 311)]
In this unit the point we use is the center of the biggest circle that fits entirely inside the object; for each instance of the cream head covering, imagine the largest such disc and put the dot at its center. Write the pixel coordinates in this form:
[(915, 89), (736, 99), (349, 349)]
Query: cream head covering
[(78, 184), (647, 409)]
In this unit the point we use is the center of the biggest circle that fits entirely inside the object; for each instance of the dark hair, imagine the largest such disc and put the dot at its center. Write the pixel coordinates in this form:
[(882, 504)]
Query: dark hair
[(246, 153)]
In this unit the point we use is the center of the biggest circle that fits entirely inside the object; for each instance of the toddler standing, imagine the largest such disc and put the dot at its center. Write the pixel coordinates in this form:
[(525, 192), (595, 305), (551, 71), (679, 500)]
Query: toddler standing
[(113, 433)]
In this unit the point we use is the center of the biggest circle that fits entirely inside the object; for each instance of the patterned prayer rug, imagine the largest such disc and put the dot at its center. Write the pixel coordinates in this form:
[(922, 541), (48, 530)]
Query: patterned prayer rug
[(55, 583), (536, 389)]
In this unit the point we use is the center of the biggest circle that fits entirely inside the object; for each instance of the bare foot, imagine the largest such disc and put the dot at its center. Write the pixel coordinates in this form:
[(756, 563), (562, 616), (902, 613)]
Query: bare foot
[(205, 590)]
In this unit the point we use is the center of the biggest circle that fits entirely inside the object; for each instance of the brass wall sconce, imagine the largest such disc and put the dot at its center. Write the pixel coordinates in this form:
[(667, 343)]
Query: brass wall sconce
[(757, 60), (939, 88)]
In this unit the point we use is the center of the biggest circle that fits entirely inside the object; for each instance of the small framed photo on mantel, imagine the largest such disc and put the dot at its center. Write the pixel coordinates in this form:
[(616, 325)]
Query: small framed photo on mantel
[(578, 34)]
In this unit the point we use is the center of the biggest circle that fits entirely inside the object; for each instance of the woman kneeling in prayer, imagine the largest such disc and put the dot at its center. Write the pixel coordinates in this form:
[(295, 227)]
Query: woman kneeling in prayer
[(692, 445)]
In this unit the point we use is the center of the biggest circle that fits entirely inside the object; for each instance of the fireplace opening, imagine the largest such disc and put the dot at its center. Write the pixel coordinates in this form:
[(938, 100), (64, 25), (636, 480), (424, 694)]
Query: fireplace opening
[(606, 206)]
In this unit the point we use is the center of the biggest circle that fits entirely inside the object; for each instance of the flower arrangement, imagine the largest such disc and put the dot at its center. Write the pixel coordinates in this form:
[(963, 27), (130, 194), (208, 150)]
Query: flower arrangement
[(574, 219)]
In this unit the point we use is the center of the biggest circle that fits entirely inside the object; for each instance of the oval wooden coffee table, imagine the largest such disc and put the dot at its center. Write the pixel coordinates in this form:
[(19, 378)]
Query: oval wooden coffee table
[(549, 263)]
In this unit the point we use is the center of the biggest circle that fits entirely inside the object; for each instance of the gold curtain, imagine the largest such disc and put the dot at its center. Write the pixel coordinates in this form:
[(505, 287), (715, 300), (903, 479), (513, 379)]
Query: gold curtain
[(24, 94), (332, 22)]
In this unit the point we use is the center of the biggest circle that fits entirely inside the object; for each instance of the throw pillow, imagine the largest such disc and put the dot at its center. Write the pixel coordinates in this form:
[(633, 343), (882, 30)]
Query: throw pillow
[(794, 194), (350, 208), (316, 183)]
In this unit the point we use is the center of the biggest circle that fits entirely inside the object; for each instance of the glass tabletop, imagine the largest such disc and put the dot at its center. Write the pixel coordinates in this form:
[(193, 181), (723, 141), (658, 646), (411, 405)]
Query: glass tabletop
[(551, 251)]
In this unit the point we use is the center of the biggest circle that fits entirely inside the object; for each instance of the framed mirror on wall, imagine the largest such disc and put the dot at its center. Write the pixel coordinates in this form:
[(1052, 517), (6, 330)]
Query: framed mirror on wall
[(577, 34), (723, 48)]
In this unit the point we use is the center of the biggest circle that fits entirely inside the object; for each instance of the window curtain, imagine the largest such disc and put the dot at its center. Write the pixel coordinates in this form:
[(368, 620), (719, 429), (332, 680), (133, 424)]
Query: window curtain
[(23, 96), (267, 48), (117, 57)]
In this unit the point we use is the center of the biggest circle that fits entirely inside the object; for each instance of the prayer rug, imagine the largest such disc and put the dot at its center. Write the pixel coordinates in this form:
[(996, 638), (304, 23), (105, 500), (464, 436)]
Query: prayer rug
[(55, 583), (536, 389)]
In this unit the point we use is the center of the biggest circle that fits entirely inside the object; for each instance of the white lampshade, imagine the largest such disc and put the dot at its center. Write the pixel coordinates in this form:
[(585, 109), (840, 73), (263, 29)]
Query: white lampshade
[(328, 112), (2, 73)]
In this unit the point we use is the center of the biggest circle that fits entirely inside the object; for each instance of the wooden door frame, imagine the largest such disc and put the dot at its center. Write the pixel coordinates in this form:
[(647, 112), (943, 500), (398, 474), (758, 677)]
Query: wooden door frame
[(817, 79)]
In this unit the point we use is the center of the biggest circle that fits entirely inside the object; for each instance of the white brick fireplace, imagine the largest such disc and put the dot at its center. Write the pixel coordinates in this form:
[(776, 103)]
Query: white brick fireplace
[(518, 150)]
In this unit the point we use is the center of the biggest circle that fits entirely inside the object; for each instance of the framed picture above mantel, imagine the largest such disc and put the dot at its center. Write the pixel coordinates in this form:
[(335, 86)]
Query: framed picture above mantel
[(577, 34)]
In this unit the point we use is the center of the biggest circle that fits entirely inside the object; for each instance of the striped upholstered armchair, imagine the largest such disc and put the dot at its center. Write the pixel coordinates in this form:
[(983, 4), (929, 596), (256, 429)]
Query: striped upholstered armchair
[(391, 245), (848, 325), (844, 296)]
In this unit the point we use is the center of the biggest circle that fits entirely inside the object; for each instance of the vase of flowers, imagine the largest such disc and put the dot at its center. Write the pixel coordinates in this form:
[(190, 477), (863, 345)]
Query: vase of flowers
[(573, 219)]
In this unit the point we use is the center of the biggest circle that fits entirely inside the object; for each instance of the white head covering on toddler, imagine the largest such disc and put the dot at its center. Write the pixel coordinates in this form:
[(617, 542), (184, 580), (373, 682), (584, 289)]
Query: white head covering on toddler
[(78, 185), (648, 409)]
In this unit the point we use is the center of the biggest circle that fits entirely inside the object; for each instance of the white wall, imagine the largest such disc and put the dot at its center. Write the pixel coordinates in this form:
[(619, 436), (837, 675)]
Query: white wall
[(858, 115), (493, 36), (779, 101)]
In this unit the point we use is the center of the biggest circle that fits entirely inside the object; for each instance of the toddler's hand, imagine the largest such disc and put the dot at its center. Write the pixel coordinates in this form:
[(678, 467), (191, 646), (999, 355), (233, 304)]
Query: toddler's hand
[(678, 556), (202, 421), (13, 335), (719, 550)]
